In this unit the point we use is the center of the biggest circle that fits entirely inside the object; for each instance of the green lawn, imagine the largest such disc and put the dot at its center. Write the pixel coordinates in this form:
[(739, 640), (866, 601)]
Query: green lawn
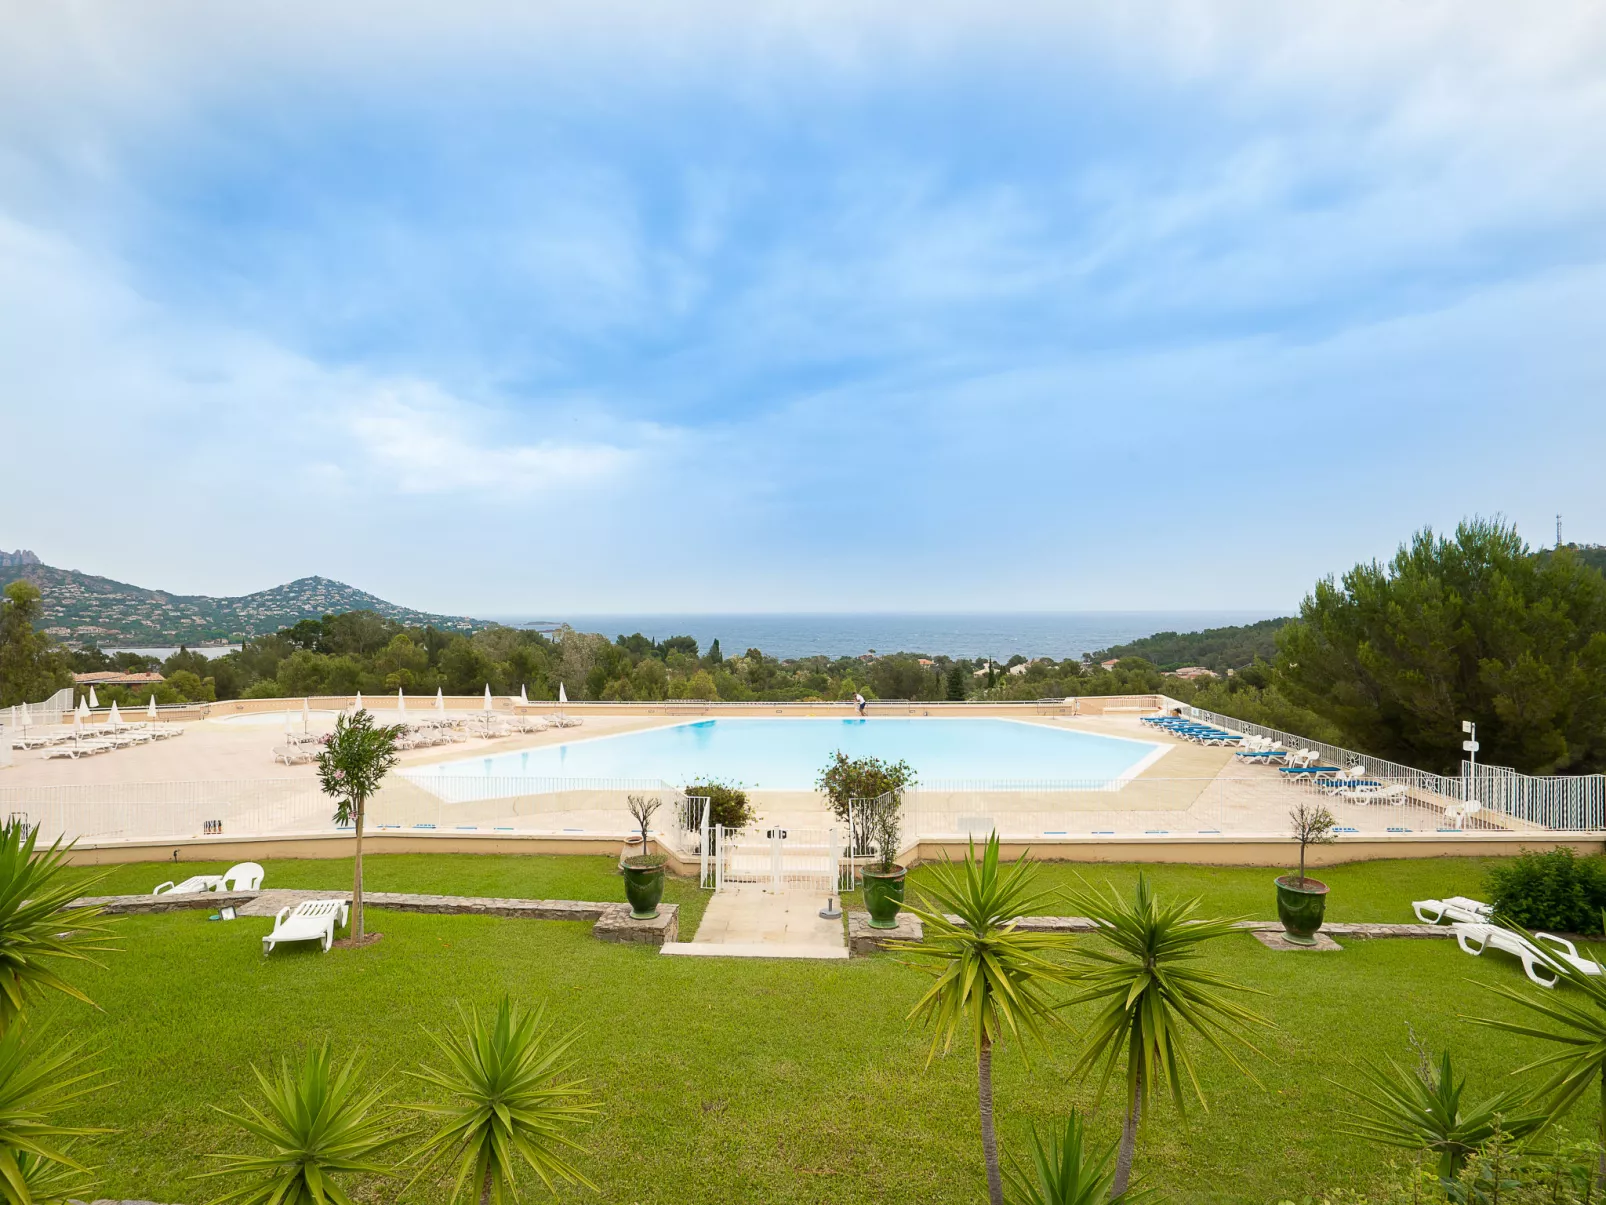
[(735, 1080)]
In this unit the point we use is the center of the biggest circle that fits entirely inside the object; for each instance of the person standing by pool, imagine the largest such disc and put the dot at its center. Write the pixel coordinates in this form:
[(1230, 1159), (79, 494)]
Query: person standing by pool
[(858, 701)]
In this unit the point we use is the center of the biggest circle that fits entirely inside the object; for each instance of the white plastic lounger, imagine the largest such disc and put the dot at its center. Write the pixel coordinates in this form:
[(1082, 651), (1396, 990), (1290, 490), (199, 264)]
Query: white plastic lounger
[(198, 882), (314, 920), (1458, 908), (1540, 957)]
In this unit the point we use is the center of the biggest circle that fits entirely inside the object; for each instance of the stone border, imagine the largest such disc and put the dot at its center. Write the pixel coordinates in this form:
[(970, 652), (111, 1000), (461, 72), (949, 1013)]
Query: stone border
[(612, 921), (862, 939)]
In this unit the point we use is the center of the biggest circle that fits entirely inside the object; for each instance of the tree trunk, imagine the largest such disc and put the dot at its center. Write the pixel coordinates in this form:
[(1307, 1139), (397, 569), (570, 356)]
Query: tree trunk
[(1129, 1139), (989, 1140), (485, 1189), (356, 882)]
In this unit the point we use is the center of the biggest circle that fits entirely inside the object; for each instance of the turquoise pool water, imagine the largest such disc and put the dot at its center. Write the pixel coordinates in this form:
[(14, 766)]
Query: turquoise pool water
[(787, 754)]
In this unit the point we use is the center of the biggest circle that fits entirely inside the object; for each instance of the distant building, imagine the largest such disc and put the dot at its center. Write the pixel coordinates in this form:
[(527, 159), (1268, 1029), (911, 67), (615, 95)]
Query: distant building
[(926, 662), (866, 656), (1190, 672), (1017, 671), (112, 677), (1110, 664)]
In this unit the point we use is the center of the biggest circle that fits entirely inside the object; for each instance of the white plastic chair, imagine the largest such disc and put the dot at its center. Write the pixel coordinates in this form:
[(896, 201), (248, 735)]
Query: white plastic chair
[(313, 920), (1458, 908), (1540, 957), (244, 876)]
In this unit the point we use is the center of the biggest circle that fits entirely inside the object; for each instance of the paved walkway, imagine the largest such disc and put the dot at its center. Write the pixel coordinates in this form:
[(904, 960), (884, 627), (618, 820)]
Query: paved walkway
[(751, 922)]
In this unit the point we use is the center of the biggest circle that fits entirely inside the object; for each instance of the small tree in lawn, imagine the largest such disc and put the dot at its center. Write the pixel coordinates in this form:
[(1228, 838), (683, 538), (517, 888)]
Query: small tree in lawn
[(354, 761), (1313, 825)]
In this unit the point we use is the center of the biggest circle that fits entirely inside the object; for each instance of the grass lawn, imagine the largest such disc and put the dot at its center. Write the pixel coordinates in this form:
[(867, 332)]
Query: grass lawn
[(727, 1080)]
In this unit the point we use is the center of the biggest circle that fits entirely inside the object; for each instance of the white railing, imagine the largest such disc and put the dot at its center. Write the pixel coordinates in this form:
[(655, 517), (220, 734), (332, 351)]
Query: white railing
[(51, 711), (1557, 801), (1572, 803)]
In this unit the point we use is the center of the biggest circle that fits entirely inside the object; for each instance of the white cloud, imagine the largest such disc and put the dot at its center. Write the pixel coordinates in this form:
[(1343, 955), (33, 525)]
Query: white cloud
[(421, 441)]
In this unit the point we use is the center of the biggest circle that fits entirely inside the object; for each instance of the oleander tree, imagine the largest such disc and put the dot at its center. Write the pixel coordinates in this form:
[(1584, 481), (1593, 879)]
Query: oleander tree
[(351, 767), (511, 1103), (1144, 974), (992, 978)]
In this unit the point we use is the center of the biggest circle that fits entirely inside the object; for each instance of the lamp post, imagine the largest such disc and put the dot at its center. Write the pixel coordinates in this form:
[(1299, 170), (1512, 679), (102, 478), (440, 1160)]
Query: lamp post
[(1470, 748)]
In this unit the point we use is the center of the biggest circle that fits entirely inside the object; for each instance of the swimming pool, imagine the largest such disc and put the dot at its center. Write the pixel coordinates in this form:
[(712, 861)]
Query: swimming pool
[(788, 754)]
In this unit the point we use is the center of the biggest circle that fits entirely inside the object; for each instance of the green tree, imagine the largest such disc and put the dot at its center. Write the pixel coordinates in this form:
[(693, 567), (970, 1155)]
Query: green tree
[(1473, 627), (31, 667), (1146, 977), (990, 976), (510, 1103), (318, 1125), (352, 765), (956, 683)]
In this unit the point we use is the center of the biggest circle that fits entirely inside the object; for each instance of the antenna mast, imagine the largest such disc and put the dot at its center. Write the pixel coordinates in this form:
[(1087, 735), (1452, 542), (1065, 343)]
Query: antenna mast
[(1558, 531)]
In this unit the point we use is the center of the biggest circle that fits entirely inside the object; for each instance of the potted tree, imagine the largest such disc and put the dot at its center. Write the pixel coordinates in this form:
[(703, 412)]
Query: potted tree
[(644, 872), (1302, 901), (883, 878)]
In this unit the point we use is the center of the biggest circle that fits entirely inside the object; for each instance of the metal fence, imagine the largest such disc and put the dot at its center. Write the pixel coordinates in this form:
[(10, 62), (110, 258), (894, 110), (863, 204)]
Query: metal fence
[(51, 711), (1571, 803)]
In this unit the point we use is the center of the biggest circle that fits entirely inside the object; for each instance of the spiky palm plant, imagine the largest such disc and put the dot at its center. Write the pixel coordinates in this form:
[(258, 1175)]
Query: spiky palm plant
[(1065, 1172), (37, 928), (1576, 1011), (354, 761), (1420, 1110), (990, 976), (36, 1081), (318, 1125), (511, 1104), (1146, 976)]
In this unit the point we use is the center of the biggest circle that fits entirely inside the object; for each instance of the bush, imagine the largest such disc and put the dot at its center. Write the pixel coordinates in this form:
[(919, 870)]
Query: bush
[(727, 803), (1556, 891)]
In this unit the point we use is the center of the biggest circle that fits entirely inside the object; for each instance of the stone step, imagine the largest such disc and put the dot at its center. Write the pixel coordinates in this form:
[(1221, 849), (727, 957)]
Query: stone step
[(753, 949)]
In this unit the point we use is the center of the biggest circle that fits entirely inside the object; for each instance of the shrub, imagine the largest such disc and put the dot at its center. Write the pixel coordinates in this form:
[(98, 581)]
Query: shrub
[(1556, 891), (727, 803)]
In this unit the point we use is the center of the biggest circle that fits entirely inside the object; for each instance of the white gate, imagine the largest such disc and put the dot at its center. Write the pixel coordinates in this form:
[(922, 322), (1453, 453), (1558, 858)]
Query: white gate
[(778, 857)]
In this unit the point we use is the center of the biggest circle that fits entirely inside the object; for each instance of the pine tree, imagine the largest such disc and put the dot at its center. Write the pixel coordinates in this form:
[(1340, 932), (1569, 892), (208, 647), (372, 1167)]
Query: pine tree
[(31, 667), (956, 683)]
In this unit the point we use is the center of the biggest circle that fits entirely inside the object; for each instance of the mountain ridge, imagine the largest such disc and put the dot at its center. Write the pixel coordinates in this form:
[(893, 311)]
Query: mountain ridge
[(85, 608)]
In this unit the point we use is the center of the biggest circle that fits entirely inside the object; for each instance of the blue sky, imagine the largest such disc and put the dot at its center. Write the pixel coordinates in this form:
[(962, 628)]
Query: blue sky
[(511, 308)]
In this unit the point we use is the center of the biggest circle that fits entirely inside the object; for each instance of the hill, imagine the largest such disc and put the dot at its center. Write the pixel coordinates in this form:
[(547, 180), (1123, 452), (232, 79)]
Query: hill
[(81, 608), (1219, 649)]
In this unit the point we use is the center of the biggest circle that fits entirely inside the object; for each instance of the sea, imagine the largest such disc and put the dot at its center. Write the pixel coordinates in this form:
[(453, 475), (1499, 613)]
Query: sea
[(999, 635)]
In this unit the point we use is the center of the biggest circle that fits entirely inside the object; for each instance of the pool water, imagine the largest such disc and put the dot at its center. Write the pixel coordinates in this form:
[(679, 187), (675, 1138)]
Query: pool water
[(788, 754)]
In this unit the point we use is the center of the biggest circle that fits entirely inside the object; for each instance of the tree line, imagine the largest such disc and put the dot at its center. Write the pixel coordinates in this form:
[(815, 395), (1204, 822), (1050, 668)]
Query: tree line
[(1389, 659)]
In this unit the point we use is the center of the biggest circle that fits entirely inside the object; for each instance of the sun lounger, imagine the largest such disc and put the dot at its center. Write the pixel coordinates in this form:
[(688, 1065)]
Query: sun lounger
[(314, 920), (1456, 908), (1362, 795), (1540, 957), (195, 883)]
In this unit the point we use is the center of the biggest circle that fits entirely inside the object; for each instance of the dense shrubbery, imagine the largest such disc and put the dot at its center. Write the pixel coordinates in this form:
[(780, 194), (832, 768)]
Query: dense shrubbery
[(1556, 891), (727, 803)]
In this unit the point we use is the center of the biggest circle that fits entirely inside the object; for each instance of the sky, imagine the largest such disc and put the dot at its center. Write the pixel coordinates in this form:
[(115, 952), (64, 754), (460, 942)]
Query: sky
[(504, 308)]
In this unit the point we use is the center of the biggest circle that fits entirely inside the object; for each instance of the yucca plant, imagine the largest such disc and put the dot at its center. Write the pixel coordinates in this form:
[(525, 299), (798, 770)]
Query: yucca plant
[(1420, 1110), (318, 1125), (1146, 977), (991, 977), (1065, 1172), (36, 1081), (1576, 1011), (511, 1103), (37, 928)]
